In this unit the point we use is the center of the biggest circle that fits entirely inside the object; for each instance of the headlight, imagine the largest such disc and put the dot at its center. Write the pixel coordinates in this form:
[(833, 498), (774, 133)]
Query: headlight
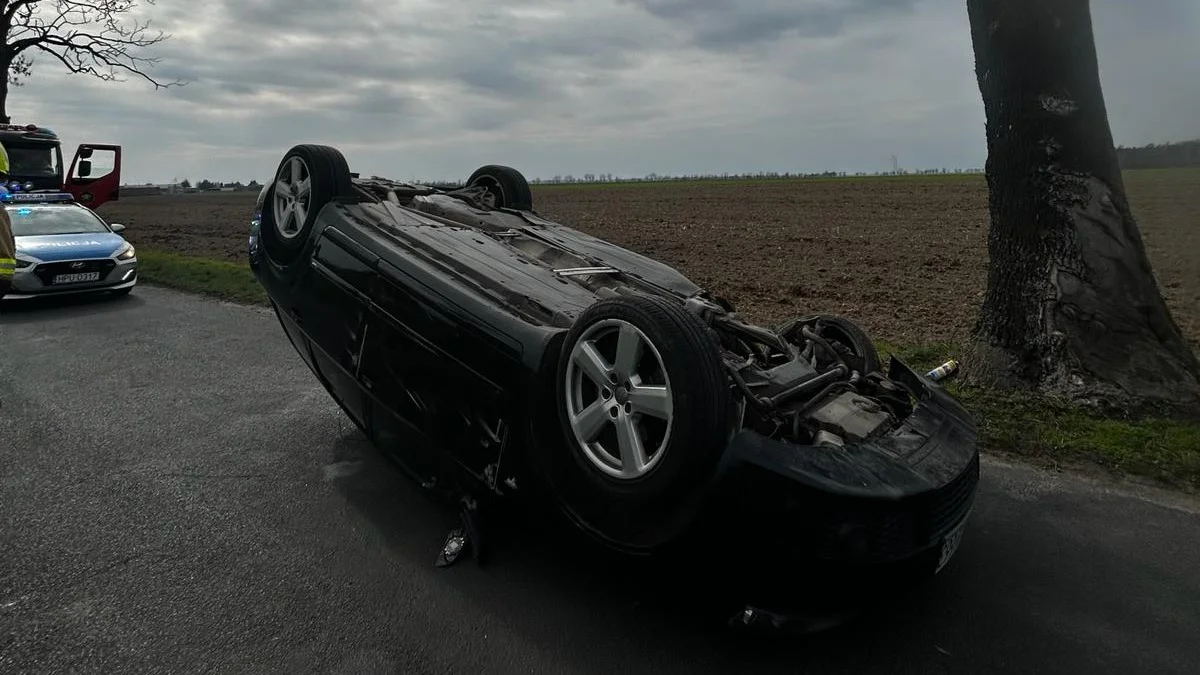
[(23, 263), (126, 253)]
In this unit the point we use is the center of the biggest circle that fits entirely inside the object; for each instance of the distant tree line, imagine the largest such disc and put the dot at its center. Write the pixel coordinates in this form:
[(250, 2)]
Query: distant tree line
[(209, 185), (206, 185), (1152, 156), (601, 178), (1165, 156), (755, 175)]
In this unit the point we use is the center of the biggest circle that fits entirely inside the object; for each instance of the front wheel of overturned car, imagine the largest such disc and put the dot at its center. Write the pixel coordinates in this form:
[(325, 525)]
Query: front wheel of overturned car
[(851, 342), (506, 187), (646, 412), (308, 178)]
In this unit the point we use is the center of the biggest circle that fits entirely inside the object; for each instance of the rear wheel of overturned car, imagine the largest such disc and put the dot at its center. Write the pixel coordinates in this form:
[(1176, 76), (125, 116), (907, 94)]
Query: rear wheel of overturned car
[(308, 178), (645, 408), (506, 187)]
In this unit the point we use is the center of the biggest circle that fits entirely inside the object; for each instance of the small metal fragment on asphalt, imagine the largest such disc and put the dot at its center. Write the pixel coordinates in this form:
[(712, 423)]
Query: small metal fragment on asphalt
[(456, 543)]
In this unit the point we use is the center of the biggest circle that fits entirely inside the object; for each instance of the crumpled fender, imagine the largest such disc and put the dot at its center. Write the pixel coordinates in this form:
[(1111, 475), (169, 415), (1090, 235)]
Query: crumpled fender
[(929, 450)]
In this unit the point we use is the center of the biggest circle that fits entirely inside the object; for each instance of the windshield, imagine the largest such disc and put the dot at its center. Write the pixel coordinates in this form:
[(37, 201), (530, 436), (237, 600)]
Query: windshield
[(32, 160), (29, 221)]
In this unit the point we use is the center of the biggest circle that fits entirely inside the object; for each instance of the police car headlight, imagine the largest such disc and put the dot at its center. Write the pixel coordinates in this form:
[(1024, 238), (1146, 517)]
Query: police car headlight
[(126, 253), (23, 263)]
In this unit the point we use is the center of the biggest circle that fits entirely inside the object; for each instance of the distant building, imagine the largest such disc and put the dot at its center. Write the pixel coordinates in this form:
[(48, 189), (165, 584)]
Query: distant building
[(148, 189)]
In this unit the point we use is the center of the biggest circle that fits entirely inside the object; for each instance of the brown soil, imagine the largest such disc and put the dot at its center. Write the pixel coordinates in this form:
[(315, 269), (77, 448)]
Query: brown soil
[(907, 258)]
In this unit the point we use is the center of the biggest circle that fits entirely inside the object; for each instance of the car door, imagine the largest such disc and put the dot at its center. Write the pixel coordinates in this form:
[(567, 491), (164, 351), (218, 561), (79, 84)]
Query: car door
[(412, 365), (399, 372), (82, 180), (331, 307)]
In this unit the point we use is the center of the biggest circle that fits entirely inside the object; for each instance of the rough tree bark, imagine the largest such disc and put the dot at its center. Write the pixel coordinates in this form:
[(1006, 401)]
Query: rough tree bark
[(1072, 307), (6, 64)]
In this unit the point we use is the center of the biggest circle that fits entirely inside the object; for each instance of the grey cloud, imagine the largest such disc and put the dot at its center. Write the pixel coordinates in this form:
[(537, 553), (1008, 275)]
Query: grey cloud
[(1149, 57), (732, 24), (503, 81), (1136, 21), (492, 53), (379, 99), (423, 89)]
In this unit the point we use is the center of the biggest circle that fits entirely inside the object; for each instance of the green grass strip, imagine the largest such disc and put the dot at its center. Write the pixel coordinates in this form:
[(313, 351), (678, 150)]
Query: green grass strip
[(1049, 432), (215, 278)]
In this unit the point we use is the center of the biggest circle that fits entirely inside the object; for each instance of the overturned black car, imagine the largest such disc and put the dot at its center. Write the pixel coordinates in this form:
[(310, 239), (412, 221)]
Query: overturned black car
[(469, 337)]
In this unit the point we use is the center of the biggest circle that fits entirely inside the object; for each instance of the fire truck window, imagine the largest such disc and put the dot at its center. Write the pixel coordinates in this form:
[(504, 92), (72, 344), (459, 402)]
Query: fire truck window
[(32, 162)]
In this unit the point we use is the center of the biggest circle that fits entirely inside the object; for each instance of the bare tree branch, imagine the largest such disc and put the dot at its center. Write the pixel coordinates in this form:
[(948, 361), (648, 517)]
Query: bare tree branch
[(90, 37)]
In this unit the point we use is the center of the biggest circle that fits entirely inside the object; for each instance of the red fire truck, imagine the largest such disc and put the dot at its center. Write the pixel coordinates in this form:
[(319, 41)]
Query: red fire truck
[(35, 165)]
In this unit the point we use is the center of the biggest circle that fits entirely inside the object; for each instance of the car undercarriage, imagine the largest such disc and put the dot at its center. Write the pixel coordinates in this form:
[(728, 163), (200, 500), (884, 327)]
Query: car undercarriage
[(815, 381), (645, 408)]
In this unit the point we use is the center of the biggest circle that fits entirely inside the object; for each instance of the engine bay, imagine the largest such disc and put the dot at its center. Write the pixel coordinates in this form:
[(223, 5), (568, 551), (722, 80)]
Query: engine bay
[(815, 381)]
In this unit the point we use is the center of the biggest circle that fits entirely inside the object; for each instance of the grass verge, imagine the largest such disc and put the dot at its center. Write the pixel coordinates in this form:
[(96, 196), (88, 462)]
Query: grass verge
[(1052, 434), (1030, 427), (215, 278)]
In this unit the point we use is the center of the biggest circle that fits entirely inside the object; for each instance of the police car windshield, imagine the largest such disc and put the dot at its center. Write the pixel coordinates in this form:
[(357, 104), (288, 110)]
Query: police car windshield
[(30, 221)]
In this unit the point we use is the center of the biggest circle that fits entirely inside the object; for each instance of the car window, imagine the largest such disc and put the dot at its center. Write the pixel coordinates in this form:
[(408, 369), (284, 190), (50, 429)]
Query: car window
[(30, 221)]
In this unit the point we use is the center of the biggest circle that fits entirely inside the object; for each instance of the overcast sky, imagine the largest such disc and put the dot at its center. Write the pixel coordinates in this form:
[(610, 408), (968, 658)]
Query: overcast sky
[(431, 90)]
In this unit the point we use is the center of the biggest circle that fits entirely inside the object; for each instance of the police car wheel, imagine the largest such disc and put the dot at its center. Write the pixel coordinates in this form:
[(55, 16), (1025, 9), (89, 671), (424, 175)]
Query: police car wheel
[(309, 177)]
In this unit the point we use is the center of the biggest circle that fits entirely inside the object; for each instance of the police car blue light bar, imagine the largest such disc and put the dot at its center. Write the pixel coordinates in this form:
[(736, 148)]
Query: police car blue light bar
[(36, 197)]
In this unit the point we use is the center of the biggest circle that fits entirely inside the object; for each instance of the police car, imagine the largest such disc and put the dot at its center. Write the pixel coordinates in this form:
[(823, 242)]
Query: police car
[(63, 247)]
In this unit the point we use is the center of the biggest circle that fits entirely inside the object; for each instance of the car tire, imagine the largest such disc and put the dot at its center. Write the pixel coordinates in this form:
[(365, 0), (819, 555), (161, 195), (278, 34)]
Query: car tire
[(642, 512), (506, 184), (282, 236), (845, 336)]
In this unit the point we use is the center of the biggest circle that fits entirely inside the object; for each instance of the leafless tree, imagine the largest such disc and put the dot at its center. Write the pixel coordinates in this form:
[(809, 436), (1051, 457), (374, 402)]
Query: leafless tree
[(91, 37), (1072, 307)]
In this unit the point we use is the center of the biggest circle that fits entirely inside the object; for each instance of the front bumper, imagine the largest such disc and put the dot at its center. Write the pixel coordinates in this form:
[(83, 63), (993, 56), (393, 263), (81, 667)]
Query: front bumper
[(38, 280), (900, 498)]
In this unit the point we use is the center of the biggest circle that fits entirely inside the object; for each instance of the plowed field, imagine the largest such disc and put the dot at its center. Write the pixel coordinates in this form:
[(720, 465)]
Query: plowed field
[(906, 257)]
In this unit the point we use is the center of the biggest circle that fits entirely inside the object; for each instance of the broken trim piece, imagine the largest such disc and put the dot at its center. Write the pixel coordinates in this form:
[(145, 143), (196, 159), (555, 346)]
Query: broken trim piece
[(580, 271)]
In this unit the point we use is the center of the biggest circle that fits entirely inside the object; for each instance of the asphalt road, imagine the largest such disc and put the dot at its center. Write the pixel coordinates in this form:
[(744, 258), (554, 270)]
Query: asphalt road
[(178, 495)]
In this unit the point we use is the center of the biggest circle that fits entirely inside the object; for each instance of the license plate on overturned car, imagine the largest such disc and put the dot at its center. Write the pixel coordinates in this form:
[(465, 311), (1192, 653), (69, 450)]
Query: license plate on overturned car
[(76, 278), (950, 545)]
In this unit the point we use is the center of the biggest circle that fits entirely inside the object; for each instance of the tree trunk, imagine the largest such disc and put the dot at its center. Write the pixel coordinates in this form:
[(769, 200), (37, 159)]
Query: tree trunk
[(1072, 307), (7, 66)]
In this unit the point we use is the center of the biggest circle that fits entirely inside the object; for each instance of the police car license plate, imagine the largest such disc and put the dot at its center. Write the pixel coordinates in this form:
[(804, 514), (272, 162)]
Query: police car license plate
[(76, 278)]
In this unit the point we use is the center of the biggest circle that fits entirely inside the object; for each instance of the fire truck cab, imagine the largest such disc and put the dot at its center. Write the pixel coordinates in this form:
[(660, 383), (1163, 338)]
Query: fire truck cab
[(36, 165)]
